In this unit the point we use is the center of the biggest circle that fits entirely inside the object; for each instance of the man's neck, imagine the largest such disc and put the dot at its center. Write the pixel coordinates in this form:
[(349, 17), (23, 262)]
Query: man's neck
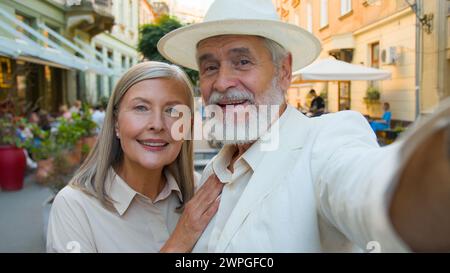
[(242, 148)]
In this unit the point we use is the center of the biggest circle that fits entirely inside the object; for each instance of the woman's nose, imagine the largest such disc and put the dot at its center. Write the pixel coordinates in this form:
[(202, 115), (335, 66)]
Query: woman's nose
[(156, 122)]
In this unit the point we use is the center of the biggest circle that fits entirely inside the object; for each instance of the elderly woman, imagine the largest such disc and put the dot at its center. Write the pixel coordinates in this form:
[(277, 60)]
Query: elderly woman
[(131, 194)]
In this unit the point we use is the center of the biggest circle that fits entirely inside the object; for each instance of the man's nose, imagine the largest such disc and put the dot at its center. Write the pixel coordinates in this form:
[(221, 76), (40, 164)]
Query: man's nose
[(225, 79)]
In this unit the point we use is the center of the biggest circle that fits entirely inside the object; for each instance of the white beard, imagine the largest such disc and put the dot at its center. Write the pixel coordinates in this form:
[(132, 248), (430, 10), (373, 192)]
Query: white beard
[(252, 127)]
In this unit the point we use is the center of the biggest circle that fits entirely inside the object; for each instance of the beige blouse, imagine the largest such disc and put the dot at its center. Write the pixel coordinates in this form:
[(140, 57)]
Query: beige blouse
[(80, 223)]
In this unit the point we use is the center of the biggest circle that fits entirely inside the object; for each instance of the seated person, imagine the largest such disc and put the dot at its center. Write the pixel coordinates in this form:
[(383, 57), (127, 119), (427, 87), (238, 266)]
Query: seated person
[(317, 104), (385, 122)]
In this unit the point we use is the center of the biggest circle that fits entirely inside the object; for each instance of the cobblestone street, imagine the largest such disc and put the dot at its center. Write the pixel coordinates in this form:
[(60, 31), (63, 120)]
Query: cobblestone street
[(21, 218)]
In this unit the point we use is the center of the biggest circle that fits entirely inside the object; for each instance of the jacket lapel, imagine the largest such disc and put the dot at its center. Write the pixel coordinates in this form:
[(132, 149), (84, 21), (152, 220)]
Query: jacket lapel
[(293, 132)]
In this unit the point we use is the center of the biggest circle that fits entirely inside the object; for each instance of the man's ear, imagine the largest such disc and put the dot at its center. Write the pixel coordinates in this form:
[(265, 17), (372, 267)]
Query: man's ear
[(285, 73)]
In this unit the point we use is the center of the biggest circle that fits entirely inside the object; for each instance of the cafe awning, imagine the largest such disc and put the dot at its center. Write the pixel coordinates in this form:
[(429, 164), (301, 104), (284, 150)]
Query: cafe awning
[(38, 48), (334, 70)]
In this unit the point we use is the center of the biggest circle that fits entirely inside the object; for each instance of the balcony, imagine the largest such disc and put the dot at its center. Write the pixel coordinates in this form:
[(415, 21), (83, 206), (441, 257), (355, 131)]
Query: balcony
[(90, 16)]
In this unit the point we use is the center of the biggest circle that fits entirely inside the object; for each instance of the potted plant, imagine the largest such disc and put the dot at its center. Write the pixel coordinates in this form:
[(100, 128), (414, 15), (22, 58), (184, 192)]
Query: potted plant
[(372, 100), (12, 155), (44, 156), (372, 95), (89, 126)]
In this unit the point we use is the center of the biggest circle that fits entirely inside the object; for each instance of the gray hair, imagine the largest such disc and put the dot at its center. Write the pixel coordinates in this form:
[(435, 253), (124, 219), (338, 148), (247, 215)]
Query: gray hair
[(107, 151), (278, 52)]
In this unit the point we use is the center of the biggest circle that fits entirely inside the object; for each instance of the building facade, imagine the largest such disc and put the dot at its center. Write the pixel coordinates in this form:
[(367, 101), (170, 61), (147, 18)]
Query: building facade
[(434, 63), (375, 33), (116, 49), (41, 66), (147, 14), (187, 12)]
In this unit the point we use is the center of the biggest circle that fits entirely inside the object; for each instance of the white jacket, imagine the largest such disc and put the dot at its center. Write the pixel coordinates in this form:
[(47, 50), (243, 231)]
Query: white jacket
[(326, 187)]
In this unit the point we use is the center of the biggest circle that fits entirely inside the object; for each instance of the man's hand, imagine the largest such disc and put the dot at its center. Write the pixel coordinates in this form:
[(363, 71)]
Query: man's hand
[(196, 216), (420, 209)]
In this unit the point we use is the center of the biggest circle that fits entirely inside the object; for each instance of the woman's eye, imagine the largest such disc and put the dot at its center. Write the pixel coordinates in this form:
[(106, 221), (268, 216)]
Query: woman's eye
[(140, 108), (172, 111)]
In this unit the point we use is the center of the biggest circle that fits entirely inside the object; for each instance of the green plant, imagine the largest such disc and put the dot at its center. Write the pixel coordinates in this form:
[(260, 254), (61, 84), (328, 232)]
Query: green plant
[(61, 173), (8, 132), (47, 148), (150, 35), (399, 129), (372, 94), (10, 128), (69, 131), (85, 149)]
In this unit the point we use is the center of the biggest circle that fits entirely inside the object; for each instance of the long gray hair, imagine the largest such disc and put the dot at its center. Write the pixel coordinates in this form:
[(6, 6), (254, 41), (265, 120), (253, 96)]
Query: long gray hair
[(107, 151)]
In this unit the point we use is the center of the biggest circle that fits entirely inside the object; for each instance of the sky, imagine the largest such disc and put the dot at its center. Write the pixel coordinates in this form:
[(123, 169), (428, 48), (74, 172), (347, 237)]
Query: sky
[(199, 5)]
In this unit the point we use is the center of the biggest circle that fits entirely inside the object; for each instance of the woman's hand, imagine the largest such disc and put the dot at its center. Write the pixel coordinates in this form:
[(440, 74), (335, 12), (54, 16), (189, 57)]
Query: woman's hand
[(196, 216)]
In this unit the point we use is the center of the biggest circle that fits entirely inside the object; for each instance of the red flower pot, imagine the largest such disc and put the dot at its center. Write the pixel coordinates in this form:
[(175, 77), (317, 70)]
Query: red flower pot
[(12, 168)]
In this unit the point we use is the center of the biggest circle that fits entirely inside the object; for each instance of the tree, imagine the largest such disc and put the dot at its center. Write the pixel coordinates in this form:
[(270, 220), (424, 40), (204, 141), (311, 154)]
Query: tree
[(150, 35)]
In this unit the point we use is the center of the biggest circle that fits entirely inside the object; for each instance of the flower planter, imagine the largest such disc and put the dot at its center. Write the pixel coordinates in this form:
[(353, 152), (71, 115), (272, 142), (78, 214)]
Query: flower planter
[(44, 170), (90, 141), (12, 168)]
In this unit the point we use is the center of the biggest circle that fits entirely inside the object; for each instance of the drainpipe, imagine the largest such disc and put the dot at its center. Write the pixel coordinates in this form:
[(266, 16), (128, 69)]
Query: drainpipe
[(419, 48)]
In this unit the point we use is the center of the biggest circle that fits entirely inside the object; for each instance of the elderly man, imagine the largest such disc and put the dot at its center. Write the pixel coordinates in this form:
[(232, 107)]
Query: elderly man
[(328, 186)]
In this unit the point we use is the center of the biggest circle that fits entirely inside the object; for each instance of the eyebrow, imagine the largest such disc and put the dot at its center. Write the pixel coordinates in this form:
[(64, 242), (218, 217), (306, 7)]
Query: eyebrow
[(239, 50), (209, 56), (172, 102), (140, 99), (205, 57)]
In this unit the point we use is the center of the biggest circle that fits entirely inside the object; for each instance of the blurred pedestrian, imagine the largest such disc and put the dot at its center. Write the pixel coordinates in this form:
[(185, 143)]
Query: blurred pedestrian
[(98, 116)]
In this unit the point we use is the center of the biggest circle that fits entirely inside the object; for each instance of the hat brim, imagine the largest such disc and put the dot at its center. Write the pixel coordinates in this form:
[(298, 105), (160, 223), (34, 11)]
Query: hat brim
[(179, 46)]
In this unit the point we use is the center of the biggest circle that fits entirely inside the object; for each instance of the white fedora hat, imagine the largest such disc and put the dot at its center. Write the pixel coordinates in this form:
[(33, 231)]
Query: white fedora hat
[(240, 17)]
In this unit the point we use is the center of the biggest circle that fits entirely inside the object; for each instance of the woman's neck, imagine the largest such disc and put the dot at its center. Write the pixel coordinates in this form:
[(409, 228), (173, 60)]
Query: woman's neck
[(144, 181)]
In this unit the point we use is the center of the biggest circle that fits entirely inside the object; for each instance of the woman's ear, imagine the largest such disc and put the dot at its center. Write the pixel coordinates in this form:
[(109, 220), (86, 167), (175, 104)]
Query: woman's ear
[(116, 129)]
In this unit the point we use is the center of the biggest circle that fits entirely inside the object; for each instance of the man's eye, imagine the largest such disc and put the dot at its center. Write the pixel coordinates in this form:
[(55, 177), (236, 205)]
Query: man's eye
[(244, 62), (211, 68)]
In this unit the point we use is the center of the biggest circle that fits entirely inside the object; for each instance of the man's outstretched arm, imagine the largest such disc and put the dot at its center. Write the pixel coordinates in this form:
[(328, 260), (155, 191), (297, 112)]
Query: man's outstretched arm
[(420, 207)]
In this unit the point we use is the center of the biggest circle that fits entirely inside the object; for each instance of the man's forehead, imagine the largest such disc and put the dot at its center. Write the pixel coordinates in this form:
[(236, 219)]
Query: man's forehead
[(224, 40)]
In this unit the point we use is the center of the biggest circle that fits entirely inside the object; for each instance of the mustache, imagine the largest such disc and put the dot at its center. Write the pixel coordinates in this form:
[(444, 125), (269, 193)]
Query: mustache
[(231, 94)]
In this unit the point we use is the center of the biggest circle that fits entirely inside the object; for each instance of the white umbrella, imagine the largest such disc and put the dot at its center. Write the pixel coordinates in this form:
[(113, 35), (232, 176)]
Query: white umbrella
[(335, 70)]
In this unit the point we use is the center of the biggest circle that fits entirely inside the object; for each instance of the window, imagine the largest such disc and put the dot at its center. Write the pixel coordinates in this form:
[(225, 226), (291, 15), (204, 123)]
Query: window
[(99, 77), (110, 78), (6, 75), (121, 13), (50, 36), (310, 17), (27, 20), (346, 6), (124, 62), (344, 96), (375, 55), (130, 15), (130, 62), (323, 13)]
